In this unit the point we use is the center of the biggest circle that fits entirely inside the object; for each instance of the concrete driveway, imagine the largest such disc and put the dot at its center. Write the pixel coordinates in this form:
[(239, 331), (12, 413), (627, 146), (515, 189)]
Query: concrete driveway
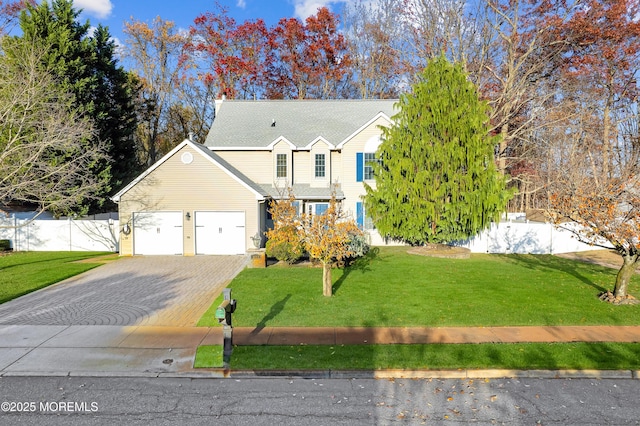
[(133, 316)]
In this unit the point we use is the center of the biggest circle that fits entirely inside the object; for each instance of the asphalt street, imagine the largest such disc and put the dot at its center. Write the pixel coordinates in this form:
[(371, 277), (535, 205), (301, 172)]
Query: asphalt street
[(286, 401)]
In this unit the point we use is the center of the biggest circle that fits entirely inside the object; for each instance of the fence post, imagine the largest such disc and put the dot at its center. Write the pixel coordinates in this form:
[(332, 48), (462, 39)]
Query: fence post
[(15, 233)]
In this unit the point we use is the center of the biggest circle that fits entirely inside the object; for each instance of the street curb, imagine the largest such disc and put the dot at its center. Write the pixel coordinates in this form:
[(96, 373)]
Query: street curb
[(438, 374), (219, 373)]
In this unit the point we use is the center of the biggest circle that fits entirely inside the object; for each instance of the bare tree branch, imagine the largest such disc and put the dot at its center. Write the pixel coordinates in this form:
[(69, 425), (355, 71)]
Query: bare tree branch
[(45, 157)]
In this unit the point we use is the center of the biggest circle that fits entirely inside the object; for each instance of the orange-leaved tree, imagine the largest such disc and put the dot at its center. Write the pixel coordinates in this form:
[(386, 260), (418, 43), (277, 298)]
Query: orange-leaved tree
[(327, 238), (606, 207)]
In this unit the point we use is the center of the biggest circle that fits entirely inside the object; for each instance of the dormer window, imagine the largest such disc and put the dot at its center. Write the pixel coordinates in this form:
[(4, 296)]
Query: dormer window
[(320, 166), (281, 165)]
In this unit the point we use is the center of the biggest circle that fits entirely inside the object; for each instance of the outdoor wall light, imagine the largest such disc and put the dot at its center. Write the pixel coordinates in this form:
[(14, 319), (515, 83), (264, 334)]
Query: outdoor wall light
[(256, 240), (188, 216)]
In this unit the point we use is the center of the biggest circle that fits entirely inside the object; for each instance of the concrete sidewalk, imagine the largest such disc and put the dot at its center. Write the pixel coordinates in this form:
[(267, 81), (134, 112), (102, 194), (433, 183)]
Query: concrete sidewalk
[(155, 351), (101, 350)]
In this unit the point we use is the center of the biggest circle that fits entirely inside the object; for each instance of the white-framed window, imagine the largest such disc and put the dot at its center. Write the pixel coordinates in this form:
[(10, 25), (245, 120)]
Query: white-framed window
[(281, 165), (366, 159), (369, 158), (320, 166)]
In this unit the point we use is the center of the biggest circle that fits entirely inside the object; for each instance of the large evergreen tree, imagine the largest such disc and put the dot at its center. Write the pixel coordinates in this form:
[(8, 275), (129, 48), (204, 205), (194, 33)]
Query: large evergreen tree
[(437, 181), (85, 65)]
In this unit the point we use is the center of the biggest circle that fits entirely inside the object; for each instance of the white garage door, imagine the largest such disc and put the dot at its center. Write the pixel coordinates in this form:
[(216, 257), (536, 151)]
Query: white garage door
[(220, 232), (157, 233)]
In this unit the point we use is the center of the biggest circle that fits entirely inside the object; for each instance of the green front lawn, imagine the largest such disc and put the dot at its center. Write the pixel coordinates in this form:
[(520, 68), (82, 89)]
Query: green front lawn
[(24, 272), (517, 356), (399, 289)]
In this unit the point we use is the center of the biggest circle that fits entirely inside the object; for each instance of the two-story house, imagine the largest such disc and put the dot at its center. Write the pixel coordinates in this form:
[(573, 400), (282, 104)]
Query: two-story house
[(213, 198)]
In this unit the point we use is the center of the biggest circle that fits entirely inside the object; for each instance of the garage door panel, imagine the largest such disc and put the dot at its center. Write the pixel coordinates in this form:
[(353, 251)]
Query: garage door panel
[(220, 233), (157, 233)]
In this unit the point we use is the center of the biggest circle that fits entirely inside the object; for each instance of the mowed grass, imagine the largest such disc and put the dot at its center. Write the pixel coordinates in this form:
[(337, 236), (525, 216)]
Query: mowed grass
[(515, 356), (24, 272), (400, 289)]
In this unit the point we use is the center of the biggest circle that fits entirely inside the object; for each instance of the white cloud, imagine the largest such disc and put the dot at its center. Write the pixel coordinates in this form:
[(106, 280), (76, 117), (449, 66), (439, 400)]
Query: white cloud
[(97, 8), (241, 4), (305, 8)]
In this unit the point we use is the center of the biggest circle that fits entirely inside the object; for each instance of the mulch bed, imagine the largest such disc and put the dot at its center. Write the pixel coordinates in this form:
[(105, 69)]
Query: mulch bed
[(441, 250)]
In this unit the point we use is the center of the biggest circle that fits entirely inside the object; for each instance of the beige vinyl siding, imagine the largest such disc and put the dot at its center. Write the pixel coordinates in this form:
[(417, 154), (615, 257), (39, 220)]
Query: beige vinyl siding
[(352, 189), (199, 186), (301, 167), (256, 165)]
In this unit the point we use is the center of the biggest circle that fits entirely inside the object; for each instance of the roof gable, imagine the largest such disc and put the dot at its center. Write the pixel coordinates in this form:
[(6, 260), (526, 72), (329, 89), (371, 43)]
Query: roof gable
[(319, 139), (212, 157), (281, 139), (364, 126)]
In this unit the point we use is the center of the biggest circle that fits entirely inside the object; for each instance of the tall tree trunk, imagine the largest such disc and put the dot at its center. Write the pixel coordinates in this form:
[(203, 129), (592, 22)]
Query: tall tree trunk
[(630, 262), (502, 149), (327, 287), (606, 145)]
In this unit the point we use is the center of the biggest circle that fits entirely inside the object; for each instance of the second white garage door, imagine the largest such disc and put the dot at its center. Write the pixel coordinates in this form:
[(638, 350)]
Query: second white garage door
[(220, 232)]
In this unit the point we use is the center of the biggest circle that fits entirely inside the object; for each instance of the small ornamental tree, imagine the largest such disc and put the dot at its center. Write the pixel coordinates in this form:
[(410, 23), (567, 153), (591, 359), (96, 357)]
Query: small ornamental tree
[(436, 181), (327, 238)]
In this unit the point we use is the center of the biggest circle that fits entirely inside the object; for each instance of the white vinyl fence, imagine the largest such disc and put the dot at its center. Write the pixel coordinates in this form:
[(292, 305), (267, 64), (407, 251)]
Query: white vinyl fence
[(527, 238), (518, 237), (60, 235)]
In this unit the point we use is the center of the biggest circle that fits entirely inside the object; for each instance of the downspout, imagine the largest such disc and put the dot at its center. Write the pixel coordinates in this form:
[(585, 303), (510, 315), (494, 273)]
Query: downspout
[(260, 230)]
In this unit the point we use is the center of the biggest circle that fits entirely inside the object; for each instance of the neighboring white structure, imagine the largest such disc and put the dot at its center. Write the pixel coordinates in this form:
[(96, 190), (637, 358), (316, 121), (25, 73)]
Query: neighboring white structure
[(60, 235)]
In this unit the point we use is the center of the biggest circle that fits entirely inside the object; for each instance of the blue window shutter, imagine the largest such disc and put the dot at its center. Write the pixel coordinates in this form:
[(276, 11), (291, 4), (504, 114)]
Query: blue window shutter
[(359, 166), (359, 215)]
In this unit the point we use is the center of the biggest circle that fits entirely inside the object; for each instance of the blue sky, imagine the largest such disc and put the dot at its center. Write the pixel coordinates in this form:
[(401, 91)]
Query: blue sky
[(113, 13)]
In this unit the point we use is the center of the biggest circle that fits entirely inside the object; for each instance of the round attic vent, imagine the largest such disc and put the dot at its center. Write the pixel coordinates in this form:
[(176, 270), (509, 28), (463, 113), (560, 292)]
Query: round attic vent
[(186, 157)]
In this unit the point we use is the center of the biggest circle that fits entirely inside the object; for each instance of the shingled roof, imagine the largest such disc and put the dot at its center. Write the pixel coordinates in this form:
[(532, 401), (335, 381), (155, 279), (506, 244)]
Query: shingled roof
[(258, 124)]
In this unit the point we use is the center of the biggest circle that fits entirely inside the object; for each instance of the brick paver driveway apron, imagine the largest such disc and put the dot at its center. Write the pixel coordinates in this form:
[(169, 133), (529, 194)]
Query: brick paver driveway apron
[(148, 291)]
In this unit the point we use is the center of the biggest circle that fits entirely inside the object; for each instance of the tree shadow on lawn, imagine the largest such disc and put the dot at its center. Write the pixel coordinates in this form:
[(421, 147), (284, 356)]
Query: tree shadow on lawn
[(565, 355), (541, 262), (50, 259), (276, 308), (362, 264)]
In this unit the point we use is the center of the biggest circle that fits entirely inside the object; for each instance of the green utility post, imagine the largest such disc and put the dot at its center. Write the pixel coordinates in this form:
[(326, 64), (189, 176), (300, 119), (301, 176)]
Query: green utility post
[(223, 315)]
